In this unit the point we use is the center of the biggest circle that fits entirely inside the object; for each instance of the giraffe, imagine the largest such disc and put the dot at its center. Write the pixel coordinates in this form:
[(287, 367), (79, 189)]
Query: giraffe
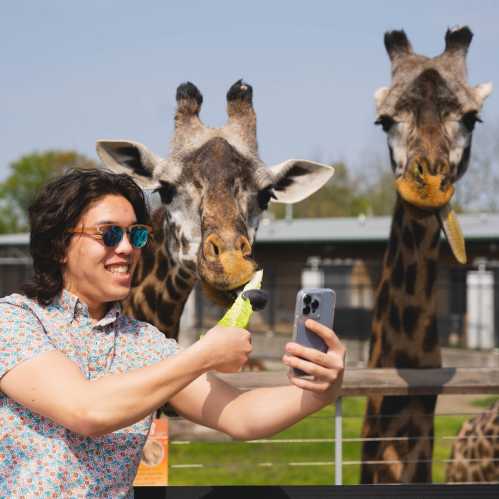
[(476, 450), (428, 114), (213, 188)]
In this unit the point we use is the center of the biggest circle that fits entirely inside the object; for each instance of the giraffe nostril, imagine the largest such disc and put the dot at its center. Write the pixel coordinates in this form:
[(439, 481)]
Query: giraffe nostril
[(244, 246), (214, 248)]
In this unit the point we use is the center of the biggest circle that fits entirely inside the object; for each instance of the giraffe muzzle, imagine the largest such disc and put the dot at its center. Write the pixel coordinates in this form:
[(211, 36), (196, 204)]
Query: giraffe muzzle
[(225, 265), (424, 188), (430, 189)]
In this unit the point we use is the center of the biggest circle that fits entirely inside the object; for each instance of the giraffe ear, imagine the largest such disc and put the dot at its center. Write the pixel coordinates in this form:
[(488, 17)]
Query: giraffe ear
[(482, 91), (380, 95), (133, 158), (296, 179)]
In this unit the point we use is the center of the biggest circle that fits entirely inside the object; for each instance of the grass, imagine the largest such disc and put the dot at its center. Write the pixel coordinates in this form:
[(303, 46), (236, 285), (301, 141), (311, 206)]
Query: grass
[(243, 463), (486, 402)]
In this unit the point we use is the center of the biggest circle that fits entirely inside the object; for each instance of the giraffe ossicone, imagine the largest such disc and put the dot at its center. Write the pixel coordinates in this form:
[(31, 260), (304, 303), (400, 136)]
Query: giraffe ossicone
[(214, 188)]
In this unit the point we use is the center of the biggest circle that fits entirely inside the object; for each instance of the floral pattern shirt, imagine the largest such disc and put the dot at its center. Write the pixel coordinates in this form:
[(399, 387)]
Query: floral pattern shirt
[(40, 458)]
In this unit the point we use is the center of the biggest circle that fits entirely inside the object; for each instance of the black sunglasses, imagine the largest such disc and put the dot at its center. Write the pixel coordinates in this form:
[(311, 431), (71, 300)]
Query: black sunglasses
[(112, 235)]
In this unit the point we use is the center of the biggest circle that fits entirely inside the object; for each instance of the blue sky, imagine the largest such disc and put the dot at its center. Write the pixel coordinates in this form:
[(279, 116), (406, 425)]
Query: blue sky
[(73, 72)]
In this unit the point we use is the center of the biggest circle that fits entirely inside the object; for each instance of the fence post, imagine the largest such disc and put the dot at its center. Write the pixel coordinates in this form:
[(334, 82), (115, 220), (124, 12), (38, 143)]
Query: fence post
[(338, 443)]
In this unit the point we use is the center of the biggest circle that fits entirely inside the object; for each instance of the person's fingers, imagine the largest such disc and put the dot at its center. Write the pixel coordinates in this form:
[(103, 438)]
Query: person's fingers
[(331, 360), (315, 370), (308, 384), (327, 334)]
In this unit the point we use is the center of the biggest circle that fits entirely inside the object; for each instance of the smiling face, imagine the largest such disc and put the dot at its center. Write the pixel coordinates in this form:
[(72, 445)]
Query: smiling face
[(93, 272)]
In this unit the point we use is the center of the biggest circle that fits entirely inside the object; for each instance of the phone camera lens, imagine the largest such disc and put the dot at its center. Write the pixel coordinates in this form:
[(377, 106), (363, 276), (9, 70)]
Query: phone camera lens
[(307, 299), (306, 310), (315, 304)]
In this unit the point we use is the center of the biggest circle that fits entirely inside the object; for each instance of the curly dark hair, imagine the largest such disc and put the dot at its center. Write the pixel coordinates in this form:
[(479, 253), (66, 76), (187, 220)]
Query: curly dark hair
[(57, 209)]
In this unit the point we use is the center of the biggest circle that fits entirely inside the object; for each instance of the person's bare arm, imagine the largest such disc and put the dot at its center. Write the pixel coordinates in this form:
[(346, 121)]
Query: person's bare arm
[(264, 411), (50, 384)]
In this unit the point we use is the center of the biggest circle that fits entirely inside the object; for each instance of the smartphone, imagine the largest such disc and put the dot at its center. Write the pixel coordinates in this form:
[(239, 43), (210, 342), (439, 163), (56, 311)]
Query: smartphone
[(317, 304)]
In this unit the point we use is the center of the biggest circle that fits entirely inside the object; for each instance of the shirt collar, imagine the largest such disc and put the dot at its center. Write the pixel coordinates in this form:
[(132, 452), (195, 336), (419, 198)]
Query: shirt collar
[(72, 307)]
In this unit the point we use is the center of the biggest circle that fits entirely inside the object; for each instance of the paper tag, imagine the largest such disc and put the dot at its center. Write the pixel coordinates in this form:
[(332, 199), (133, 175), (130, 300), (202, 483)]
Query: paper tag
[(153, 467)]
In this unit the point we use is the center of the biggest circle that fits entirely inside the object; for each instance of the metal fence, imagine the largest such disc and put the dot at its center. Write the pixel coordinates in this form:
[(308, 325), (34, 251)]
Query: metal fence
[(357, 382), (14, 271)]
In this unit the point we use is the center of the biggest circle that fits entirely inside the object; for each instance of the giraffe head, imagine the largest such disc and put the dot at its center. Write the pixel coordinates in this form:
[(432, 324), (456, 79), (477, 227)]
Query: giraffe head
[(429, 113), (214, 188)]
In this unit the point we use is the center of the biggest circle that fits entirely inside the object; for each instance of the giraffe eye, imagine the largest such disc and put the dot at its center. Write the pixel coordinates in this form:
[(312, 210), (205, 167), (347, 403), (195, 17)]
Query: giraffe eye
[(469, 120), (264, 197), (385, 121), (166, 192)]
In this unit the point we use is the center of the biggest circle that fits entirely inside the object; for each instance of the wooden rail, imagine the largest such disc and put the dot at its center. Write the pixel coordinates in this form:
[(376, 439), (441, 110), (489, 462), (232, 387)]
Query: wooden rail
[(362, 382)]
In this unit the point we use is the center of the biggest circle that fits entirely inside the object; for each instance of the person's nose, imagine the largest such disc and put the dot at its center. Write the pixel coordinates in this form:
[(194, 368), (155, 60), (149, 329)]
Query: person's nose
[(124, 247)]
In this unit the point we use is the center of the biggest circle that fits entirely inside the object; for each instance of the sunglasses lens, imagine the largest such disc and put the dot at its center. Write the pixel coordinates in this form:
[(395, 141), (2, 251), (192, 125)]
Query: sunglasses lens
[(139, 236), (112, 236)]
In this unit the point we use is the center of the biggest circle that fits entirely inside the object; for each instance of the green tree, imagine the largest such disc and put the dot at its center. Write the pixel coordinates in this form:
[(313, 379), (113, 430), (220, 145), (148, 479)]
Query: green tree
[(27, 176)]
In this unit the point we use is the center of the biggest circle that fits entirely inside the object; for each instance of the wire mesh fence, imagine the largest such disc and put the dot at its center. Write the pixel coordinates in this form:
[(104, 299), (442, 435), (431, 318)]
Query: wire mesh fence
[(308, 453)]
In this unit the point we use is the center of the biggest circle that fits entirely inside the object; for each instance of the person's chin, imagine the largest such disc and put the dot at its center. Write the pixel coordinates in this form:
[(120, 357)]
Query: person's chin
[(119, 292), (121, 280)]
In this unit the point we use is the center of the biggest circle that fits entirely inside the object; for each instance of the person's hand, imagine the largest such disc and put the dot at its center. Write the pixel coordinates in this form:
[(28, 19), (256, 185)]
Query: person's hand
[(227, 348), (325, 369)]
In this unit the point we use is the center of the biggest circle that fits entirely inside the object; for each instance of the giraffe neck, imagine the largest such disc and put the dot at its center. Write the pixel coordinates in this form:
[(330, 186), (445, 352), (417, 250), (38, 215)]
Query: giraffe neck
[(404, 336), (160, 285), (404, 323)]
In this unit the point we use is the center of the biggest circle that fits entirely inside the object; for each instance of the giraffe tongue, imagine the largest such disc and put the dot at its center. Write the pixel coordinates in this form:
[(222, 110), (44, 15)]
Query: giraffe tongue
[(453, 232)]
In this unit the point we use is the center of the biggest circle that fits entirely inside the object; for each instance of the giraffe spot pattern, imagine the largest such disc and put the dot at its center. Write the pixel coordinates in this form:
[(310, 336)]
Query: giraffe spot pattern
[(392, 248), (407, 238), (137, 274), (394, 405), (161, 267), (428, 403), (410, 278), (410, 317), (418, 232), (404, 360), (398, 216), (398, 273), (167, 312), (183, 274), (181, 283), (436, 239), (423, 469), (385, 343), (150, 296), (394, 317), (174, 295), (382, 301), (185, 244), (147, 261), (431, 275), (430, 340)]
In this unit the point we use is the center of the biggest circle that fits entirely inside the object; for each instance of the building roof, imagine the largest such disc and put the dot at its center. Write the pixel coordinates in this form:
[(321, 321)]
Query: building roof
[(361, 229), (483, 226), (14, 239)]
